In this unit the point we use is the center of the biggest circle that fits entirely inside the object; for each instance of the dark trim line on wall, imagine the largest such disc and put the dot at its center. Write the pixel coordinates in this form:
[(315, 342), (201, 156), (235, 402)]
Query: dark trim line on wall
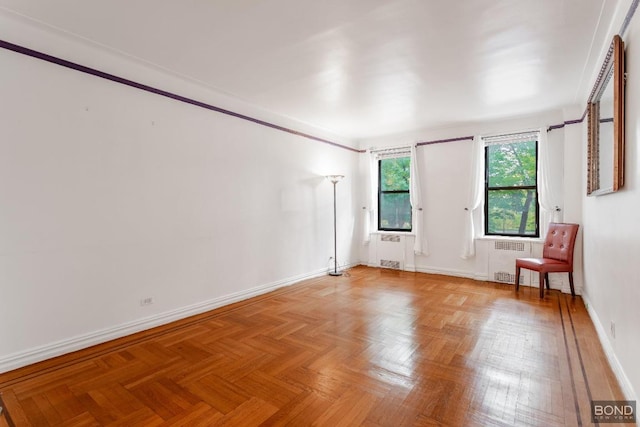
[(568, 122), (97, 73), (623, 28), (440, 141), (116, 79)]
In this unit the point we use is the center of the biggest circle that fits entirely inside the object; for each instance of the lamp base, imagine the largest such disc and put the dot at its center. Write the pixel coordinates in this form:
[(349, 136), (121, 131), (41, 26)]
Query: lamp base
[(335, 273)]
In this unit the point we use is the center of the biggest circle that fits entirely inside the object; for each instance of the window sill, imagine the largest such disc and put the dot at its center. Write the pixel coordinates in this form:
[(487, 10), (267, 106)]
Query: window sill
[(404, 233), (512, 239)]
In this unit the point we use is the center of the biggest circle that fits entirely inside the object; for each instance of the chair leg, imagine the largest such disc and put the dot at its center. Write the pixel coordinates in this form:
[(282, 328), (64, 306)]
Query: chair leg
[(573, 292), (517, 278), (546, 279), (541, 284)]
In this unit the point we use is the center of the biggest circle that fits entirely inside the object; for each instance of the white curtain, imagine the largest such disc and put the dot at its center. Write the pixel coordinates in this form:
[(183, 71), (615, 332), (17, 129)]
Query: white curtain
[(548, 193), (366, 225), (474, 200), (369, 212), (420, 246)]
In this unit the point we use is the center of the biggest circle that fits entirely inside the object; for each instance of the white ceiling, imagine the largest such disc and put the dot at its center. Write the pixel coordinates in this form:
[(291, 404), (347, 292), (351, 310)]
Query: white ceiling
[(358, 68)]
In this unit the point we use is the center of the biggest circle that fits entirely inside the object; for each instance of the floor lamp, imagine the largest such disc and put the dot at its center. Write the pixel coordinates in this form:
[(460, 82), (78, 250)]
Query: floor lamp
[(334, 179)]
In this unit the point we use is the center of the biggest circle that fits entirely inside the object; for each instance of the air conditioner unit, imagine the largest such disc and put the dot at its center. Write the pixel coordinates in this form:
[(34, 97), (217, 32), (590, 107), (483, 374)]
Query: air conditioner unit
[(502, 261)]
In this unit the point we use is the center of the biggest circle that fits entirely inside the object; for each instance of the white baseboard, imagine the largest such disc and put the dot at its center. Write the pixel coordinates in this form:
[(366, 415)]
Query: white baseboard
[(555, 284), (48, 351), (446, 272), (443, 271), (623, 380)]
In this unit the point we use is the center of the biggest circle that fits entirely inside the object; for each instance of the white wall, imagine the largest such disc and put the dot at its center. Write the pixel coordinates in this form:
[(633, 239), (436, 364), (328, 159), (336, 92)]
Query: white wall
[(574, 185), (446, 177), (612, 238), (110, 195)]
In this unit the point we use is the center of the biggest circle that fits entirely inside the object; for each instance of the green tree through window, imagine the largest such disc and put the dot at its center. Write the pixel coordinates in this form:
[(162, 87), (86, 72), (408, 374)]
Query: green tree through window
[(511, 193), (394, 207)]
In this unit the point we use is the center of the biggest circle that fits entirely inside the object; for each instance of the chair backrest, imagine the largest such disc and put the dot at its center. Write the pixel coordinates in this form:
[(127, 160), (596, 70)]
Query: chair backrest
[(560, 241)]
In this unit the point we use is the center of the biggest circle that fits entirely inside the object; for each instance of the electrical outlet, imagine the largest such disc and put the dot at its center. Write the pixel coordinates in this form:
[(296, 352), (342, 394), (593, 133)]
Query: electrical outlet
[(613, 329), (146, 301)]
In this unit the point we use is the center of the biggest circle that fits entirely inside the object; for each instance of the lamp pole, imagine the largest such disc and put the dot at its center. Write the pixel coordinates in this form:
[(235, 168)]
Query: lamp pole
[(334, 180)]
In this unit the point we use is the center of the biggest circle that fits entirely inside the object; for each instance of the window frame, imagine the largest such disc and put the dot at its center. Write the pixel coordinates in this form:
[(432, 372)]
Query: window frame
[(487, 189), (381, 192)]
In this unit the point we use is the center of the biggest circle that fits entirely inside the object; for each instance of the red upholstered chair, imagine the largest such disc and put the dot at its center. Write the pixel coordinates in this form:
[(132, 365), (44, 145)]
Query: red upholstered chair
[(557, 255)]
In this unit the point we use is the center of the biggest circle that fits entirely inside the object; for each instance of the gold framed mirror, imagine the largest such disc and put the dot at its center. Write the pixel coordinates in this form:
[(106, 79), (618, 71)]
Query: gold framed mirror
[(605, 153)]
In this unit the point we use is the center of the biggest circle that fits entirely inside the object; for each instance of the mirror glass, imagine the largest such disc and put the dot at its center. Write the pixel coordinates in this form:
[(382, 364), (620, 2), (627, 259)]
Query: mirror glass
[(605, 133), (605, 155)]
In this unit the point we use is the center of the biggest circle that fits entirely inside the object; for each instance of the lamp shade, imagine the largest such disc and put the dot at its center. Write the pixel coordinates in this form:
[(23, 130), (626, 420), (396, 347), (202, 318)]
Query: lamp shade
[(334, 178)]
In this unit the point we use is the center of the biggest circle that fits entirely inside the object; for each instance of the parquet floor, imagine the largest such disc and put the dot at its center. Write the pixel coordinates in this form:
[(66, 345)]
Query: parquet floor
[(376, 348)]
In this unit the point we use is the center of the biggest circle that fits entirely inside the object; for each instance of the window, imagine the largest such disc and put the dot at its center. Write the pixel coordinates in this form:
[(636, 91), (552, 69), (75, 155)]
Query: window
[(394, 207), (511, 192)]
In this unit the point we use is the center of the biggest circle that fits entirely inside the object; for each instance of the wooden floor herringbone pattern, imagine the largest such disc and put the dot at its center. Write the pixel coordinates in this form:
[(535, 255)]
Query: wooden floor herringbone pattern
[(376, 348)]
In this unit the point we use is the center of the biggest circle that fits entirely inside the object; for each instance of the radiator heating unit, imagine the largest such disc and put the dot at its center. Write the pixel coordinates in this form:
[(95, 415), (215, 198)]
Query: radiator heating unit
[(390, 251), (502, 261)]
